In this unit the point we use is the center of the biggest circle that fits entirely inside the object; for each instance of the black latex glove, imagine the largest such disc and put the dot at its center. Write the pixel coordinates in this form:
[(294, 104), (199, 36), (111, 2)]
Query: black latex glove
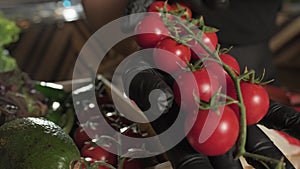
[(140, 80), (282, 118), (259, 143)]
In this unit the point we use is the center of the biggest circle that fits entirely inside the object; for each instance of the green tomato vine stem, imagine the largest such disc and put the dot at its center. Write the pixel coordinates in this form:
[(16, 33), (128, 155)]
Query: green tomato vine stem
[(241, 142), (264, 158), (241, 151), (243, 125)]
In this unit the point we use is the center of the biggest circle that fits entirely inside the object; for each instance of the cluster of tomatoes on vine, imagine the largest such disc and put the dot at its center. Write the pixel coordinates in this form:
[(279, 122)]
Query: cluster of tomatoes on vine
[(97, 143), (209, 85)]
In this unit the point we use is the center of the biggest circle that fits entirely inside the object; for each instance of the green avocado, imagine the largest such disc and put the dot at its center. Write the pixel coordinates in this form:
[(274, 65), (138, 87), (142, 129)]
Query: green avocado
[(36, 143)]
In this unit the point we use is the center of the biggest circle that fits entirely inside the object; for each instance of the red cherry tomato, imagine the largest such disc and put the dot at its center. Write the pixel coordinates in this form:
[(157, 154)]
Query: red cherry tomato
[(80, 137), (149, 31), (220, 72), (171, 56), (88, 131), (132, 132), (133, 164), (235, 67), (183, 9), (97, 153), (199, 83), (90, 162), (231, 62), (212, 134), (213, 38), (210, 39), (158, 6), (256, 101)]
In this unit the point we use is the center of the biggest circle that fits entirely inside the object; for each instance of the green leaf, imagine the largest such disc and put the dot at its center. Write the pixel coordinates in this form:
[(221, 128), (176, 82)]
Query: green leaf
[(7, 63), (9, 31)]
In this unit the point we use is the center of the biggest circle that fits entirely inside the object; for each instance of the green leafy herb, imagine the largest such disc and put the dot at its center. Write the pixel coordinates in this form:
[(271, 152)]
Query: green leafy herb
[(9, 33)]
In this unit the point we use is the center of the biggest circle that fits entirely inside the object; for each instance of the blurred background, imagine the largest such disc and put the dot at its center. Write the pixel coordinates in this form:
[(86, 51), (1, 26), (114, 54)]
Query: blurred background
[(54, 31)]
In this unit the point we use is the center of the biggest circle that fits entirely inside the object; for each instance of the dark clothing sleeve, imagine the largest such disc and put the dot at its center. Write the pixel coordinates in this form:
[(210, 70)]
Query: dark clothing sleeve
[(244, 22)]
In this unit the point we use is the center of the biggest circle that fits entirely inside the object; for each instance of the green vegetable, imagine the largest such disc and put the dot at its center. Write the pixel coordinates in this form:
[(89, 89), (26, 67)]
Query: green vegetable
[(36, 143), (9, 33), (7, 63)]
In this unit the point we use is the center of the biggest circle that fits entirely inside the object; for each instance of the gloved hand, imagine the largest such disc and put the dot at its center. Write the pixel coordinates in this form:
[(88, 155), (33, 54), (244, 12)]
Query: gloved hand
[(160, 101), (182, 156), (259, 143), (282, 118)]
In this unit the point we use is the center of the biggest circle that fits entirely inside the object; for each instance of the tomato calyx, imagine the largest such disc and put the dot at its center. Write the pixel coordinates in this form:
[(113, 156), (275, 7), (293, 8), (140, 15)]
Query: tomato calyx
[(181, 10), (201, 25), (218, 99), (249, 76), (183, 28), (160, 7)]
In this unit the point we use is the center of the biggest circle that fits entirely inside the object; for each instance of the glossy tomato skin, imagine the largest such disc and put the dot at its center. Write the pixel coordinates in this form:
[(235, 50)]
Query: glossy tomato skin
[(231, 62), (222, 75), (149, 31), (80, 137), (133, 164), (171, 56), (97, 153), (88, 131), (256, 101), (199, 82), (212, 140), (235, 67), (213, 38), (210, 39), (90, 162), (158, 6)]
